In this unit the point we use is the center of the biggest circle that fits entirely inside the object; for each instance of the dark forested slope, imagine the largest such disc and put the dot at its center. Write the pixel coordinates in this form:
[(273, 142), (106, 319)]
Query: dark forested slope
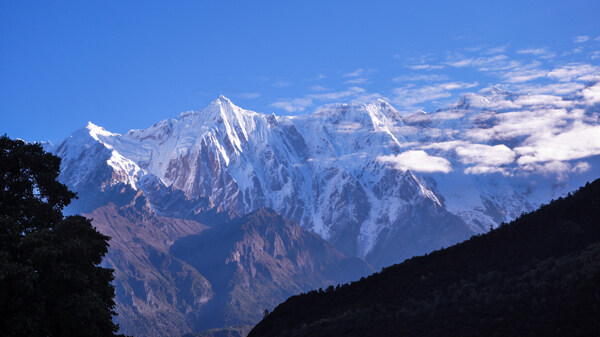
[(538, 275)]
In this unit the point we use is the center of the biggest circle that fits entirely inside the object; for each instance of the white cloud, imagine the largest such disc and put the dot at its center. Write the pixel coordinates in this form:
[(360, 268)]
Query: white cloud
[(496, 50), (487, 158), (417, 161), (356, 73), (433, 132), (485, 154), (410, 95), (473, 49), (337, 94), (581, 167), (250, 95), (445, 115), (590, 78), (490, 100), (445, 146), (293, 105), (318, 88), (566, 73), (580, 142), (426, 67), (509, 125), (573, 71), (366, 97), (300, 104), (413, 95), (532, 51), (563, 88), (406, 130), (403, 145), (482, 169), (541, 52), (524, 75), (581, 38), (457, 85), (543, 123), (552, 167), (591, 95), (421, 77), (544, 100), (282, 84), (477, 61), (547, 153), (359, 80), (559, 168)]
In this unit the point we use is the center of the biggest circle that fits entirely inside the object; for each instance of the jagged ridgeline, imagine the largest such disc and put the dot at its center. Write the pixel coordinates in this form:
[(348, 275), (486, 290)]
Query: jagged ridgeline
[(537, 276)]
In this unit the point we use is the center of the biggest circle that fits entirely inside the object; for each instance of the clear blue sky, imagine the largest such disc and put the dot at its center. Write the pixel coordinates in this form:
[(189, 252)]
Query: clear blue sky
[(128, 64)]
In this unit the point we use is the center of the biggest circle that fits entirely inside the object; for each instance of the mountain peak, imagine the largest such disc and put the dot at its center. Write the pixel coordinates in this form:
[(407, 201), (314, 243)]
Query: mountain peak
[(494, 90), (372, 113), (89, 132), (95, 128), (388, 109), (221, 100), (224, 99), (219, 110), (97, 131)]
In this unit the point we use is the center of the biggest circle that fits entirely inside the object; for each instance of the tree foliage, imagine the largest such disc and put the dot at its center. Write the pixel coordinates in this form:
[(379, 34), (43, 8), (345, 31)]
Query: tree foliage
[(51, 283)]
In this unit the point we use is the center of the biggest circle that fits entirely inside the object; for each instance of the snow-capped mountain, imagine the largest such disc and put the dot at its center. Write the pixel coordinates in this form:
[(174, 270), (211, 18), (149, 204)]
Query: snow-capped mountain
[(376, 184)]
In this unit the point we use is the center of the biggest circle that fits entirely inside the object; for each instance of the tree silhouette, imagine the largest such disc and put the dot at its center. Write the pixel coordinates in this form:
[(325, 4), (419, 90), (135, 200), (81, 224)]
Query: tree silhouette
[(51, 283)]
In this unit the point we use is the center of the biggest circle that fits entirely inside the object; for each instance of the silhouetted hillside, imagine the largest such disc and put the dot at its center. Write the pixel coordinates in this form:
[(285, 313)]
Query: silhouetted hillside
[(537, 276), (231, 331)]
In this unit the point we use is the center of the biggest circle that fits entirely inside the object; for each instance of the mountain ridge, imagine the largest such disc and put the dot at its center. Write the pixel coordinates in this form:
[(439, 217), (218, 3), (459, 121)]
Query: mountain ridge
[(377, 185), (234, 160)]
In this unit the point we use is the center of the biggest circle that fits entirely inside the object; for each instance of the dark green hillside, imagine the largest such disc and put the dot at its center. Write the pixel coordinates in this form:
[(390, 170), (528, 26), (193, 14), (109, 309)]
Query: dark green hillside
[(537, 276)]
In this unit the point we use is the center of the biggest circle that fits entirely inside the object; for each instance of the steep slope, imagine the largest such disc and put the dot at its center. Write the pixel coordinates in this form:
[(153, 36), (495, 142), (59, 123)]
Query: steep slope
[(174, 276), (156, 294), (257, 259), (535, 276)]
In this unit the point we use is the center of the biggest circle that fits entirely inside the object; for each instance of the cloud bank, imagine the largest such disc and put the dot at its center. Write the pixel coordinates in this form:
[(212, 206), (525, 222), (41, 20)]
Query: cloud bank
[(417, 161)]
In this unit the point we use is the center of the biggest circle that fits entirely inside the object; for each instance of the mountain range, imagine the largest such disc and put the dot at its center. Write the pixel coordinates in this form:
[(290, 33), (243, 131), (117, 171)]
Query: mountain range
[(218, 214)]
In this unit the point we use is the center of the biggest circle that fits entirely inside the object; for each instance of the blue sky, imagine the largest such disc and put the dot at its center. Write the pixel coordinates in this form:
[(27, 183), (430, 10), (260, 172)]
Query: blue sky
[(127, 64)]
